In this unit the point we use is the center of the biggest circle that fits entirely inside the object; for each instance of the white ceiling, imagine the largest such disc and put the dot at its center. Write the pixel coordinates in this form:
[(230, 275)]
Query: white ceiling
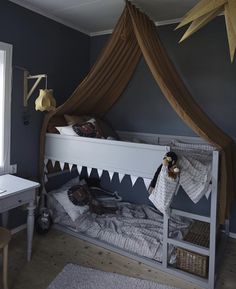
[(99, 16)]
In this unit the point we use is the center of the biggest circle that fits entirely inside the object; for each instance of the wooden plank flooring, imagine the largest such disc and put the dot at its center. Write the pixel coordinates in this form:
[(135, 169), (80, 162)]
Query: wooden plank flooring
[(53, 251)]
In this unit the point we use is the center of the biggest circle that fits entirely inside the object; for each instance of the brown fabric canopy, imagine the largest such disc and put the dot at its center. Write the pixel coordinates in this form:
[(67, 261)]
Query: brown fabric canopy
[(135, 35)]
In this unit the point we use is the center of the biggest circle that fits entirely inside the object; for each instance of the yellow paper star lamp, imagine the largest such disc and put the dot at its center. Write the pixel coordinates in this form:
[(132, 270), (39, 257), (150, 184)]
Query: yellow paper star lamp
[(204, 12)]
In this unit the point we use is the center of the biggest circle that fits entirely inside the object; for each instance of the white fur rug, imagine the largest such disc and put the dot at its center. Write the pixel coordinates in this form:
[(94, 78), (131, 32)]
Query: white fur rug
[(77, 277)]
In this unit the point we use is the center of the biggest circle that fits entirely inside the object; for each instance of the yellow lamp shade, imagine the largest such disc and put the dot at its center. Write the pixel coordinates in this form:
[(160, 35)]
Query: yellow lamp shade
[(45, 101)]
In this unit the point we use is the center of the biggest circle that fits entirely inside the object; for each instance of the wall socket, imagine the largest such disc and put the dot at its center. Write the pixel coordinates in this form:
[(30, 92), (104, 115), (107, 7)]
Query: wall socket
[(13, 169)]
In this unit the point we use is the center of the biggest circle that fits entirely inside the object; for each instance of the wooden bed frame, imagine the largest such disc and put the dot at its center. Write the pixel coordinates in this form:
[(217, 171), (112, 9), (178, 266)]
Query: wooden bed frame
[(138, 160)]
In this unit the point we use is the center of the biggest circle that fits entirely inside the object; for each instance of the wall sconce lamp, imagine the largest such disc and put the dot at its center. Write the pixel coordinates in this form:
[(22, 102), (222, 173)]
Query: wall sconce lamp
[(45, 101)]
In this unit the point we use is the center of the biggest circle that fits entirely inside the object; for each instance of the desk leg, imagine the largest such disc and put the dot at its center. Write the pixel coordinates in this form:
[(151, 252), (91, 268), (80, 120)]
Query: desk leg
[(30, 229)]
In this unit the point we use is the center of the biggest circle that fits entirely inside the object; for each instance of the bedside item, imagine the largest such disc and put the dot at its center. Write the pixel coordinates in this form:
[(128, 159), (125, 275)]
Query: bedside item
[(18, 192), (192, 262), (5, 237)]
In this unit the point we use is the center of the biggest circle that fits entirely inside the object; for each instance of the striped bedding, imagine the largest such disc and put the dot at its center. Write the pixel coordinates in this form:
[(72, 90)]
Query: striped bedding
[(135, 228)]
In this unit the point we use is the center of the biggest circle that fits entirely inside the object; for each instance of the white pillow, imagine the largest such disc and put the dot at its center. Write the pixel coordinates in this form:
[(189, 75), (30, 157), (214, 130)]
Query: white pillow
[(73, 211), (66, 130), (61, 196)]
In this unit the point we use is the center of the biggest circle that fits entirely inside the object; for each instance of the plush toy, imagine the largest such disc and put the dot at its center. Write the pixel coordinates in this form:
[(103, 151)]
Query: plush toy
[(81, 195), (169, 160)]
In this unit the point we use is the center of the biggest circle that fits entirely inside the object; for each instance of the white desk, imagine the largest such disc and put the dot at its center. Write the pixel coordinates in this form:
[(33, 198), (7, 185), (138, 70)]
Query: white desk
[(17, 192)]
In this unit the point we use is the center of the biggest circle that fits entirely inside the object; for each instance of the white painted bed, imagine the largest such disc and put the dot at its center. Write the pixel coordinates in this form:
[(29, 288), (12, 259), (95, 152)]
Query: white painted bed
[(137, 160), (134, 159)]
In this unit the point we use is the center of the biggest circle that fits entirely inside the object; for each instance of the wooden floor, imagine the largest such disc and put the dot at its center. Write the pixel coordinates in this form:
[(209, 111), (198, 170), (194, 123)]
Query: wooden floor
[(53, 251)]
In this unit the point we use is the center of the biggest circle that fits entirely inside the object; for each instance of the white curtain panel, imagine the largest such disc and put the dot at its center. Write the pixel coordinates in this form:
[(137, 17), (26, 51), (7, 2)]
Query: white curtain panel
[(2, 105), (5, 71)]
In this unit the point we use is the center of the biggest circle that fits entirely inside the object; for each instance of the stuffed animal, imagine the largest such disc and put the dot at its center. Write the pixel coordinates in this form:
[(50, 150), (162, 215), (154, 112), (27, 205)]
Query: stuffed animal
[(169, 160), (81, 195)]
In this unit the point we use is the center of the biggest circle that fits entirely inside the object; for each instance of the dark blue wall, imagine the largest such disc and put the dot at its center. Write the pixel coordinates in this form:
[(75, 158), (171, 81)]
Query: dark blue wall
[(204, 64), (41, 46)]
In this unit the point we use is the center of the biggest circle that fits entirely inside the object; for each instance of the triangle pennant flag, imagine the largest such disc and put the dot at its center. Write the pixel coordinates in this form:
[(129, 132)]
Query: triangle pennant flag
[(45, 178), (62, 165), (70, 166), (99, 172), (111, 175), (45, 161), (120, 176), (133, 179), (147, 183), (89, 170), (79, 169), (53, 163), (45, 169)]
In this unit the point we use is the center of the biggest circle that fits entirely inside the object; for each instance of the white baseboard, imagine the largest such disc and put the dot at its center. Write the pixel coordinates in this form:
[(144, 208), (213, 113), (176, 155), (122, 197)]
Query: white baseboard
[(18, 229)]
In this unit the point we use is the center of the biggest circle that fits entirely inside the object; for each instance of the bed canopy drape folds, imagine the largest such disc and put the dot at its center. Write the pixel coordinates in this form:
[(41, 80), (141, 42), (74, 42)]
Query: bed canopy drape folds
[(135, 35)]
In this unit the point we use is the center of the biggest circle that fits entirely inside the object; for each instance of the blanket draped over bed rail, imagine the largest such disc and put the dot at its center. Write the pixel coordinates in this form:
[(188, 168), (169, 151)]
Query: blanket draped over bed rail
[(135, 35)]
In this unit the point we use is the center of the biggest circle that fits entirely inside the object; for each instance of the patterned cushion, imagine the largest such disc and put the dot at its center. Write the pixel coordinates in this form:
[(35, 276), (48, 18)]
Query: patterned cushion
[(87, 129), (105, 129)]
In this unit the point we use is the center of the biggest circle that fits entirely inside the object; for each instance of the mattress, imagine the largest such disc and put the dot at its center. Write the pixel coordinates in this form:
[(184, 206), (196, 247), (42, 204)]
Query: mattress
[(134, 228)]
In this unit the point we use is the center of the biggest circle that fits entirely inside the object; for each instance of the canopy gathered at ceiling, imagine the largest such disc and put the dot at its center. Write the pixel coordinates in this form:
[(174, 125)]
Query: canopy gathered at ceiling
[(135, 35)]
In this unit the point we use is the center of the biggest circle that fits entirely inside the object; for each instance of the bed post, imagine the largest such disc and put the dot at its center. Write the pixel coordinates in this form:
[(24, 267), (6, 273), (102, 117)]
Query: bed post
[(165, 242), (213, 219)]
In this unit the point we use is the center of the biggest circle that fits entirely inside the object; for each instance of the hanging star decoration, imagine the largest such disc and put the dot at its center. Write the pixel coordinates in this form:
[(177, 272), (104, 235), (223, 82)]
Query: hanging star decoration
[(204, 12)]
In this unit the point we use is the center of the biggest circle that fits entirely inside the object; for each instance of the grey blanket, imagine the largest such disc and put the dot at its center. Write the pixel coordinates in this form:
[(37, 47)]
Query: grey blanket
[(135, 228)]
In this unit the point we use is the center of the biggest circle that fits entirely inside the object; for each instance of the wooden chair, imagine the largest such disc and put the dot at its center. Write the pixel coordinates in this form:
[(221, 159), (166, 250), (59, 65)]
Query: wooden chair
[(5, 237)]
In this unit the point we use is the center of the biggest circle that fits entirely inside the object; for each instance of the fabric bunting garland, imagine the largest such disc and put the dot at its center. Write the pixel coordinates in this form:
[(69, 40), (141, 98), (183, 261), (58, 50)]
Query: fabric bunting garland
[(53, 163), (62, 164), (133, 179), (70, 167), (100, 172), (79, 169), (120, 176)]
